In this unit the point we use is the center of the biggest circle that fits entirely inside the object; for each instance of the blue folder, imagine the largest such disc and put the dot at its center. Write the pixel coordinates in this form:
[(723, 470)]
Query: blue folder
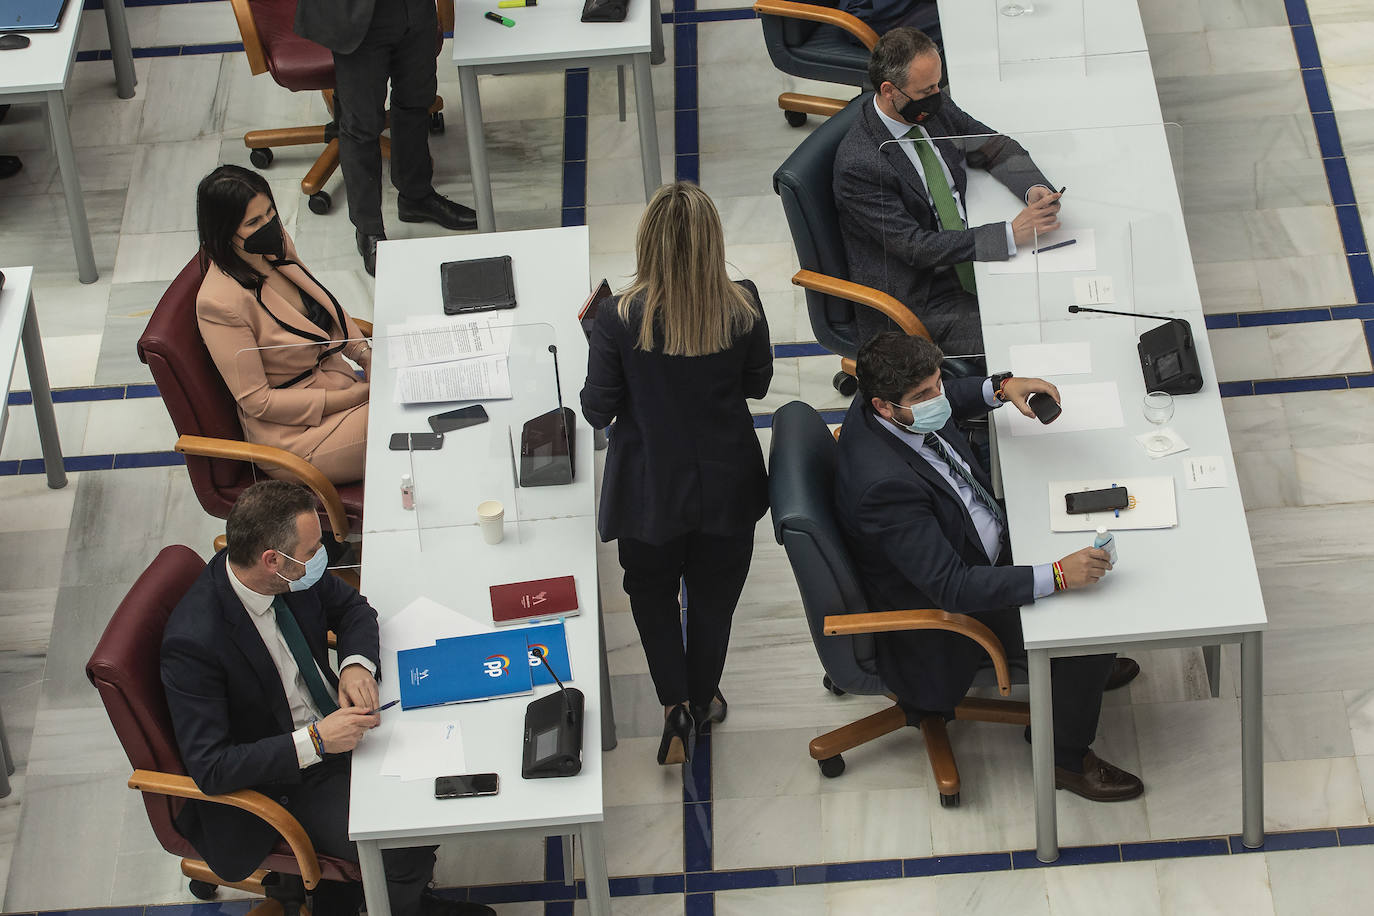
[(31, 15), (477, 667), (551, 638)]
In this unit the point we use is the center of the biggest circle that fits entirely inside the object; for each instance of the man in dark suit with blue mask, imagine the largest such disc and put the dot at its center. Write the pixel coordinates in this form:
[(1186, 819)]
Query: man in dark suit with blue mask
[(900, 180), (924, 530), (255, 703)]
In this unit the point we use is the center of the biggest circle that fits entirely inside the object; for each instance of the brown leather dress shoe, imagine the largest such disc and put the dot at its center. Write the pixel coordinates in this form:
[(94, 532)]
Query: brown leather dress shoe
[(1123, 672), (1100, 781)]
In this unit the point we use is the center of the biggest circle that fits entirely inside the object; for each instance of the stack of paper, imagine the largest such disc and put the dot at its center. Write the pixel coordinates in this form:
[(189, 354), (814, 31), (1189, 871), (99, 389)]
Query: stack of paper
[(451, 359), (423, 750)]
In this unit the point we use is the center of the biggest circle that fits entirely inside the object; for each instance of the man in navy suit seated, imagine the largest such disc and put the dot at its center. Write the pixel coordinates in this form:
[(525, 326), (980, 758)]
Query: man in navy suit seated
[(255, 703), (921, 523)]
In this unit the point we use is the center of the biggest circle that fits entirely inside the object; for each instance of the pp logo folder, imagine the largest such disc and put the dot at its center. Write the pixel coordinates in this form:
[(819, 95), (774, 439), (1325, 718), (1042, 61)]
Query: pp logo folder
[(477, 667)]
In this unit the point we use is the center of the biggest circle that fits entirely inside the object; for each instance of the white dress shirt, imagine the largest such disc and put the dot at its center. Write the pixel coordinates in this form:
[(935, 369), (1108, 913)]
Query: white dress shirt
[(303, 709)]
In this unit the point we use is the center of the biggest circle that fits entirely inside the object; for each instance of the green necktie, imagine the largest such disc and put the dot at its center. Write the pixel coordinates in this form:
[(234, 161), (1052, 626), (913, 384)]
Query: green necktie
[(943, 197), (310, 672), (933, 442)]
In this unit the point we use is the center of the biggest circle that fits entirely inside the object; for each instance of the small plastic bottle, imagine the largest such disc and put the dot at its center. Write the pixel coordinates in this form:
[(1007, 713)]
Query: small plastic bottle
[(407, 492), (1107, 541)]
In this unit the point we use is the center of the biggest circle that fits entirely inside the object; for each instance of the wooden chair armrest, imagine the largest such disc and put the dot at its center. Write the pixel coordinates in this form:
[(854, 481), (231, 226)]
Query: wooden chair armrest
[(302, 470), (862, 295), (811, 104), (828, 15), (445, 10), (254, 803), (248, 31), (925, 619), (364, 325)]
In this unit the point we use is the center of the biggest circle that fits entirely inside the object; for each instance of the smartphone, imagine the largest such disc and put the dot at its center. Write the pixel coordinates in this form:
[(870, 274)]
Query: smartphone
[(1045, 408), (467, 786), (461, 418), (402, 442), (1086, 501)]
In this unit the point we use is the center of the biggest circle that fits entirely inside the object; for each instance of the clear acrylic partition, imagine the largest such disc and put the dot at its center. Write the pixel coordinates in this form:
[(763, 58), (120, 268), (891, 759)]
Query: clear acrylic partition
[(1072, 32), (1120, 207)]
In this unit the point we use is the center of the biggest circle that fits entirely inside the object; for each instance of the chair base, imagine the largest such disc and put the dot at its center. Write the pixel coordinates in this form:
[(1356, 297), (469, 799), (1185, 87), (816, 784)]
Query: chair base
[(284, 894), (828, 749)]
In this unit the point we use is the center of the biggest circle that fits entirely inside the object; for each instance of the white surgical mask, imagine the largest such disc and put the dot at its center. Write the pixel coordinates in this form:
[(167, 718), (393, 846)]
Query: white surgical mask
[(927, 416), (314, 569)]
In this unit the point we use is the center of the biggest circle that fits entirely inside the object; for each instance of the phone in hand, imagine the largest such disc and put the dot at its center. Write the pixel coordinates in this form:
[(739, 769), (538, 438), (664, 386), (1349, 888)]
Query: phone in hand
[(416, 442), (468, 786), (1085, 501), (1045, 408), (461, 418)]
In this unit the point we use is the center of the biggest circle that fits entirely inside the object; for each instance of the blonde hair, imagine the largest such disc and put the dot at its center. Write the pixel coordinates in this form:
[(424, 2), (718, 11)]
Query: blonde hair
[(680, 279)]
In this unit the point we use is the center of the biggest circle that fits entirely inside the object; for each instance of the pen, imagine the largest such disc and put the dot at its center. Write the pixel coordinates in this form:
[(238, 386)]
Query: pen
[(1056, 245), (385, 706), (499, 20)]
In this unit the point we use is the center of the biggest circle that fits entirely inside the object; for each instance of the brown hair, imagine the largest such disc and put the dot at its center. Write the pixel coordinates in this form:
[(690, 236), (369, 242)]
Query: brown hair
[(680, 280)]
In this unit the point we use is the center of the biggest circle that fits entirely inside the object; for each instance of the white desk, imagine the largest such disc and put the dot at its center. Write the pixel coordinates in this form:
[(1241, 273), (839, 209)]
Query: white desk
[(39, 73), (552, 37), (19, 322)]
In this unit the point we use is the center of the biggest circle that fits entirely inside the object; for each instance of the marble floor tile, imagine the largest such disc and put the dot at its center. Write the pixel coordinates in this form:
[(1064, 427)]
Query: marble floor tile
[(1218, 236), (1256, 423), (72, 309), (101, 168), (1171, 16), (21, 431), (1288, 183), (1130, 886), (1359, 708), (1193, 99), (632, 776), (1302, 794), (1365, 764), (78, 741), (1318, 659), (162, 195), (1293, 232), (1250, 50), (912, 895), (1240, 14), (1174, 54), (644, 839), (1241, 353), (612, 227), (255, 102), (31, 506), (1190, 766), (1323, 11), (107, 505), (752, 219), (31, 559), (1171, 676), (1318, 348), (78, 621), (764, 764), (1310, 881), (1344, 44), (648, 905), (985, 895), (803, 900), (1217, 884), (876, 824), (624, 653), (1285, 537), (490, 858), (130, 305), (817, 374), (106, 122), (1306, 726), (1268, 479), (136, 425), (71, 362), (158, 256), (45, 240), (1357, 132), (637, 710), (608, 137), (1317, 594), (1336, 473), (183, 100), (783, 314), (757, 832), (1350, 87), (617, 181), (757, 125), (109, 562), (1303, 282), (94, 35), (603, 96), (195, 24)]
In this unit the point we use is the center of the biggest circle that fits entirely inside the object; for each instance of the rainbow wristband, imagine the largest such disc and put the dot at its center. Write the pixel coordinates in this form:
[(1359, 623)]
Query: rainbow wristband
[(315, 738)]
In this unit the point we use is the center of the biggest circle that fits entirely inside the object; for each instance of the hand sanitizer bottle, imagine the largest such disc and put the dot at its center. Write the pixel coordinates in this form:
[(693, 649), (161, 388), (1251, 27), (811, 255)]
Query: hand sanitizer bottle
[(1107, 541)]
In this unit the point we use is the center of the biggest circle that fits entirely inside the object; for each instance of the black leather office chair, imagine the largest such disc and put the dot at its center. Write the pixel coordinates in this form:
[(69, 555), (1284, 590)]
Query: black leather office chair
[(801, 487)]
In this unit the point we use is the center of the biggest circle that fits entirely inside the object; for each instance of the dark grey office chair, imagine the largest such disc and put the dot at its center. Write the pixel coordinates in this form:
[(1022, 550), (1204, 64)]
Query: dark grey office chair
[(801, 487)]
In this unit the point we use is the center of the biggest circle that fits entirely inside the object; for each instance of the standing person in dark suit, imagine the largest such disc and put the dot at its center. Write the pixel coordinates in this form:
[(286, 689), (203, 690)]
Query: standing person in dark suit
[(901, 204), (922, 526), (375, 41), (256, 705), (673, 361)]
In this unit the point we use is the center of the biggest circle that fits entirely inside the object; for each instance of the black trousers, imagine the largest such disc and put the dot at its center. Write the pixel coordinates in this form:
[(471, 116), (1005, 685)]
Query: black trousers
[(399, 47), (321, 805), (714, 568), (949, 313)]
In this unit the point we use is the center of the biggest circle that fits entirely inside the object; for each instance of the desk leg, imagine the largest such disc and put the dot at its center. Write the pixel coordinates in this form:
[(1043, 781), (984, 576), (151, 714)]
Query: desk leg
[(1042, 757), (42, 399), (1252, 740), (569, 869), (374, 878), (608, 738), (594, 867), (121, 50), (71, 185), (648, 126), (1211, 660), (477, 149)]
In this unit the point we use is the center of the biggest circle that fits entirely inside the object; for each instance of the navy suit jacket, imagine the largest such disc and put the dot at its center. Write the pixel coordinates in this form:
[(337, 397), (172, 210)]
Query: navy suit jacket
[(915, 546), (229, 709)]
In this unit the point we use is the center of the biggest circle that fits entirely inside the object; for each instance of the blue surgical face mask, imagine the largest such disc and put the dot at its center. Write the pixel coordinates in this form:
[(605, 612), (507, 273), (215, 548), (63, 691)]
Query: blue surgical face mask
[(314, 569), (927, 416)]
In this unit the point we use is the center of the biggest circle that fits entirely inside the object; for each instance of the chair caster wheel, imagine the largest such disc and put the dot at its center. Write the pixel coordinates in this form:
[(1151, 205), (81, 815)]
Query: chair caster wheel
[(795, 118), (261, 158), (436, 123), (845, 384), (830, 685), (320, 202), (949, 801), (203, 890), (832, 766)]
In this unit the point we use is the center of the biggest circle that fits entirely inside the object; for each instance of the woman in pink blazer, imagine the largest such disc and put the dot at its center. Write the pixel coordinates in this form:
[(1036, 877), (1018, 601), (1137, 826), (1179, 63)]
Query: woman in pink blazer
[(278, 337)]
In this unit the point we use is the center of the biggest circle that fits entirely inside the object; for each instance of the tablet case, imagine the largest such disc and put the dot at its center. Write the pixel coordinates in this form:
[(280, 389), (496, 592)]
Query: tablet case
[(479, 285)]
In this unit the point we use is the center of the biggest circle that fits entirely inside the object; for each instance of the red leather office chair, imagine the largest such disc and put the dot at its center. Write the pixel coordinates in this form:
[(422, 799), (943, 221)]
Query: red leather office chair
[(126, 669), (272, 46), (220, 462)]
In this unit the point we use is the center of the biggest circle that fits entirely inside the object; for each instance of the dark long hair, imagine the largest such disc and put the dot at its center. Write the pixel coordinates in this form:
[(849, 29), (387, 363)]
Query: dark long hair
[(221, 200)]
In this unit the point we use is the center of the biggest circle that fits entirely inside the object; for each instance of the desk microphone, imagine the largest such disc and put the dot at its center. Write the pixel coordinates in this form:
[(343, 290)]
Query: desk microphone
[(538, 653), (1168, 359), (553, 730), (547, 442)]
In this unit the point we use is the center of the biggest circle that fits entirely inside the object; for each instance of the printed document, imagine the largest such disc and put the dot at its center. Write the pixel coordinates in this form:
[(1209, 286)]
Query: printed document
[(445, 340), (484, 378)]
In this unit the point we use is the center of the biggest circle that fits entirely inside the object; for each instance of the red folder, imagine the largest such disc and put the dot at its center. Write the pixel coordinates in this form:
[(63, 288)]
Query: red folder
[(521, 601)]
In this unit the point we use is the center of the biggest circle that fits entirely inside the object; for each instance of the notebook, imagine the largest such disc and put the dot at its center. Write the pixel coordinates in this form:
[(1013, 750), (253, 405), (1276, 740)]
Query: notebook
[(479, 285), (520, 602), (31, 15)]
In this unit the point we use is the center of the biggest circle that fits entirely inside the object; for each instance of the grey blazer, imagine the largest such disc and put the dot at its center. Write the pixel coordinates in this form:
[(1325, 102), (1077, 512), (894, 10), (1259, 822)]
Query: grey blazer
[(892, 236), (339, 25)]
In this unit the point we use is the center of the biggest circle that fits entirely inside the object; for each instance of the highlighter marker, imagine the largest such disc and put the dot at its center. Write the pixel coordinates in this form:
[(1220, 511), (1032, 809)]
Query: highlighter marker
[(516, 4), (500, 20)]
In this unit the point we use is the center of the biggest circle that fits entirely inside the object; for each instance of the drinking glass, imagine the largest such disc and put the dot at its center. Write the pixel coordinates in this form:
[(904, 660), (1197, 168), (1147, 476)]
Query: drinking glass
[(1016, 9), (1158, 407)]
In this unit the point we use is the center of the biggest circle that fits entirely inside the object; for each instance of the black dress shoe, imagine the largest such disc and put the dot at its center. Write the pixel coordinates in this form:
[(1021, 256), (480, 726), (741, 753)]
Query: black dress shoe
[(1123, 672), (715, 711), (431, 904), (367, 247), (10, 166), (677, 735), (436, 209), (1100, 781)]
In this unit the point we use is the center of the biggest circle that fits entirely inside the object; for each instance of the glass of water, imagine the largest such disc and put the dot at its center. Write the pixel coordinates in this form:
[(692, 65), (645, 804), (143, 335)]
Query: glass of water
[(1158, 407)]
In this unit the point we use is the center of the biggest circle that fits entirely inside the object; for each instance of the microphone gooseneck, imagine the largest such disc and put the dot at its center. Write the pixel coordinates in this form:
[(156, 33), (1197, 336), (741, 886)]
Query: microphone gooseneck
[(567, 703)]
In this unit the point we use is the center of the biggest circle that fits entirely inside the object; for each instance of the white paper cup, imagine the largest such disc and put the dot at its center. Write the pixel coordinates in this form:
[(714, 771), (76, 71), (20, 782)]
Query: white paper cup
[(491, 517)]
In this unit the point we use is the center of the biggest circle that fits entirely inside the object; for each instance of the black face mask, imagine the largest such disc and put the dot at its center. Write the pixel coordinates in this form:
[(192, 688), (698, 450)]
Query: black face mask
[(268, 240), (917, 110)]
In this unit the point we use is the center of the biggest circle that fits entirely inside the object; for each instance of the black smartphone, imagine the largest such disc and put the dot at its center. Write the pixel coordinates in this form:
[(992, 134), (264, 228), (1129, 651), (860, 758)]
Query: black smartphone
[(416, 442), (1086, 501), (467, 786), (1044, 407), (461, 418)]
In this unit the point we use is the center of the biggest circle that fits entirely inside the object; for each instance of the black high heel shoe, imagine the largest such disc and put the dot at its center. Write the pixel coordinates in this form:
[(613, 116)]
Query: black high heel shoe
[(677, 733), (715, 711)]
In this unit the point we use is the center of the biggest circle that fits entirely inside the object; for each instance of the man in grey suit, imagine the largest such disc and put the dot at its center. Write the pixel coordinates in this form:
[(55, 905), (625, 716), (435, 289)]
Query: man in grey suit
[(899, 183), (375, 41)]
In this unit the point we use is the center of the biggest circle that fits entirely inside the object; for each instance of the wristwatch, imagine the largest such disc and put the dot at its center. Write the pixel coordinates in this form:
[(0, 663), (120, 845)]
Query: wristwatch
[(998, 381)]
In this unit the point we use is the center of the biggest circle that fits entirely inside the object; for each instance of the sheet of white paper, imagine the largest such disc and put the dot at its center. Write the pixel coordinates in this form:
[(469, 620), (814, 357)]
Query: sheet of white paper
[(444, 340), (1205, 473), (1153, 505), (1048, 360), (420, 623), (1091, 405), (424, 750), (1176, 443), (1093, 290), (485, 378), (1080, 257)]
